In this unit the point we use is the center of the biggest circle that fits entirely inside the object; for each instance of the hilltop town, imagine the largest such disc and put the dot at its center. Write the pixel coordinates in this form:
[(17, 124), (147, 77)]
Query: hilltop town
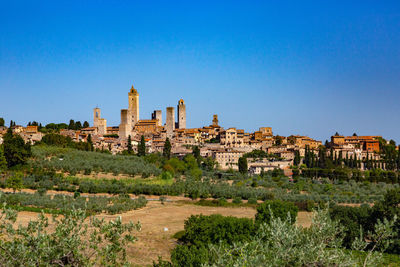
[(225, 146)]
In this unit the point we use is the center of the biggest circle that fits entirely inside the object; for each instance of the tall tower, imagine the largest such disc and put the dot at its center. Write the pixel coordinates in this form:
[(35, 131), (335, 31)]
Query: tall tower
[(170, 122), (181, 114), (157, 115), (215, 120), (98, 122), (125, 128), (96, 116), (134, 105)]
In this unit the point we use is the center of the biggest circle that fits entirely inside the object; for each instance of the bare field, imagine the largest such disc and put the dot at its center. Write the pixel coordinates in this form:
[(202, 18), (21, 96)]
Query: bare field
[(153, 240)]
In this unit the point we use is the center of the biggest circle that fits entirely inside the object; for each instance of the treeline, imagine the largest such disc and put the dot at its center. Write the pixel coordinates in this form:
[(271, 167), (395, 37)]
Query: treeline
[(347, 174), (53, 139), (390, 159), (64, 203)]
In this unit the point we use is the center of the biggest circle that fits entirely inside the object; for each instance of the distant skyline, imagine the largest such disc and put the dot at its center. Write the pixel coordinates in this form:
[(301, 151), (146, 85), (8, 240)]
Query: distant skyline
[(301, 67)]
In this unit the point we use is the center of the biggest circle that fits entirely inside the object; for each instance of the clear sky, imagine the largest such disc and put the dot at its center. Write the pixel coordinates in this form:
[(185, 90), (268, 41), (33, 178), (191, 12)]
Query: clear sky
[(301, 67)]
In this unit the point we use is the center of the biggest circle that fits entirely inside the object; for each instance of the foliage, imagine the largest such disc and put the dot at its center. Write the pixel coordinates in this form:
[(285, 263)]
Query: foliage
[(200, 229), (67, 241), (16, 151), (167, 149), (3, 161), (281, 243), (280, 209), (73, 161), (64, 203), (142, 147), (242, 163), (15, 181)]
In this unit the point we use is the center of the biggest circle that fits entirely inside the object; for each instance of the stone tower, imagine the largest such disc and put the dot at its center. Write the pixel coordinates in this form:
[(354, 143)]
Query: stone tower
[(170, 122), (96, 116), (98, 122), (215, 120), (181, 114), (157, 115), (134, 105), (125, 128)]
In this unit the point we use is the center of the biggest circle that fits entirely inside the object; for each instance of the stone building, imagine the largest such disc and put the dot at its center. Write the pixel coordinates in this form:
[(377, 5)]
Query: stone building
[(181, 114)]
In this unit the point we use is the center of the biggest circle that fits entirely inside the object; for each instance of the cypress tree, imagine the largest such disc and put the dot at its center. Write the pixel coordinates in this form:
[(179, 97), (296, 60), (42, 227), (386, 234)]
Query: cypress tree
[(167, 149), (243, 165), (71, 125), (90, 143), (3, 161), (142, 147), (85, 124), (129, 145)]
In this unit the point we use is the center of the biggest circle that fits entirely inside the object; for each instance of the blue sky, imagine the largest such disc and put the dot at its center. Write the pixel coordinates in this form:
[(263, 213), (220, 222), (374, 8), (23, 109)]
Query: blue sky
[(301, 67)]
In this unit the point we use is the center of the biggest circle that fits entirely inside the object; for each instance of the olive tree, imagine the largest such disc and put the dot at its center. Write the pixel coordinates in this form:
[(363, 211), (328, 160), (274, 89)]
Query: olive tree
[(70, 240)]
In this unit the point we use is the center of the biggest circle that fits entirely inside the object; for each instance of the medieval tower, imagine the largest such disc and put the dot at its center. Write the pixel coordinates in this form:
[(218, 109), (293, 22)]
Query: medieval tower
[(98, 122), (157, 115), (170, 121), (181, 114), (134, 105), (125, 128)]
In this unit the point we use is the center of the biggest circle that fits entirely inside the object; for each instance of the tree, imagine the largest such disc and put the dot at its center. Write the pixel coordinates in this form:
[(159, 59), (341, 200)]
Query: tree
[(15, 150), (282, 243), (15, 181), (129, 145), (85, 124), (1, 122), (69, 240), (196, 154), (276, 208), (167, 149), (90, 143), (71, 125), (242, 163), (3, 161), (78, 125), (142, 147)]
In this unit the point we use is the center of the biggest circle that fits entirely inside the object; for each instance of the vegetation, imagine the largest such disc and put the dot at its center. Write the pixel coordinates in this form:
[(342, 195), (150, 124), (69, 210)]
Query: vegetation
[(286, 211), (74, 161), (15, 150), (70, 240)]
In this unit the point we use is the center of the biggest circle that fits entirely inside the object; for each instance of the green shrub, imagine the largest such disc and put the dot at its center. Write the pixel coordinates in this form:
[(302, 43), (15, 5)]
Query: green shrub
[(237, 200), (276, 208), (252, 200), (200, 229)]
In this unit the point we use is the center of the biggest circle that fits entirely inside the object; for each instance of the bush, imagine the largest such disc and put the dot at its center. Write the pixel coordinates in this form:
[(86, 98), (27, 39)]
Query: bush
[(252, 200), (237, 200), (200, 229), (278, 208)]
